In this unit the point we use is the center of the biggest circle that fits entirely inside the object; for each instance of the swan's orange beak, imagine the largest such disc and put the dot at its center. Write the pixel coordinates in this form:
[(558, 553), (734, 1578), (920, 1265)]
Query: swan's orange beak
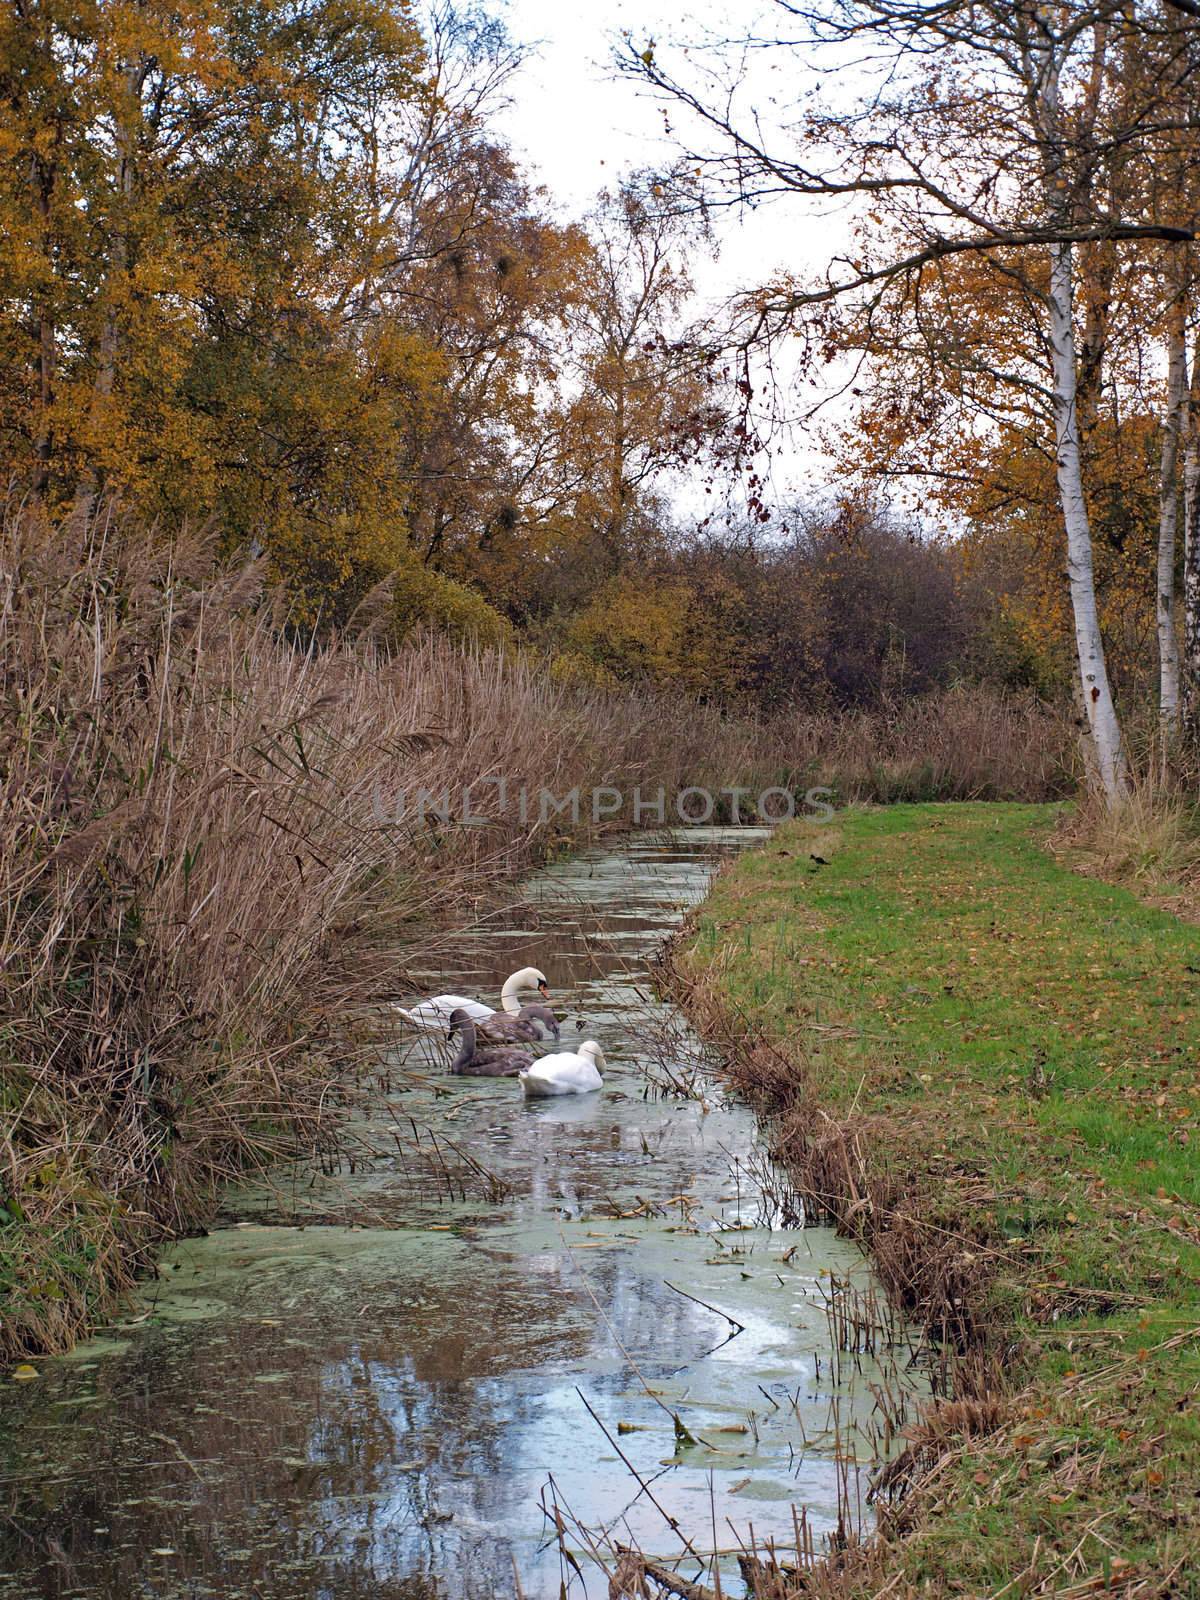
[(545, 989)]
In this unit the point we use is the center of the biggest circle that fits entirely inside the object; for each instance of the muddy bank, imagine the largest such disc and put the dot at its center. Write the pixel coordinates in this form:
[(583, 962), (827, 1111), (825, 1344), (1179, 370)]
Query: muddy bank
[(887, 1008)]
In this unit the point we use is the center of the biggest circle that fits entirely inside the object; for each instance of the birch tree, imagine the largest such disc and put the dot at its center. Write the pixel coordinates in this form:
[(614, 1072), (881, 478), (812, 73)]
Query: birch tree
[(641, 398), (1191, 554), (959, 128), (1174, 415)]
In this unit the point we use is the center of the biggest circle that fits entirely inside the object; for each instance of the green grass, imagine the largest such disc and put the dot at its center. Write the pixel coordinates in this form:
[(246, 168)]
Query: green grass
[(1026, 1037)]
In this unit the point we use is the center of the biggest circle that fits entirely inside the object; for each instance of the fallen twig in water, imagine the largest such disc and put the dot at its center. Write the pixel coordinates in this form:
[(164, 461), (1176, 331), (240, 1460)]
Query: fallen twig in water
[(645, 1487), (682, 1435), (738, 1327)]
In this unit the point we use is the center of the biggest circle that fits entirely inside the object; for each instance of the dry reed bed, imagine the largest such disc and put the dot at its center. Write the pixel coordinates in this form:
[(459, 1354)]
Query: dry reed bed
[(970, 742)]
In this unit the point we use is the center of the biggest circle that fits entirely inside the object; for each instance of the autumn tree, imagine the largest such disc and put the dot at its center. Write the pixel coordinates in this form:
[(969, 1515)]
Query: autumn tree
[(1191, 553), (491, 303), (461, 261), (182, 186), (982, 130), (646, 402)]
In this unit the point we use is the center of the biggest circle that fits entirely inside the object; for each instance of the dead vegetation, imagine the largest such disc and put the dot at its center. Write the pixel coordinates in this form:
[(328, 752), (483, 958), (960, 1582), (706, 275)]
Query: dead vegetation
[(1149, 844), (970, 742)]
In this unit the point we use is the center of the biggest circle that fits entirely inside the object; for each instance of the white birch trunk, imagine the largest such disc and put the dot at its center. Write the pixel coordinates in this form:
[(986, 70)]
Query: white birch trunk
[(1191, 556), (1111, 765), (1042, 63), (1168, 518)]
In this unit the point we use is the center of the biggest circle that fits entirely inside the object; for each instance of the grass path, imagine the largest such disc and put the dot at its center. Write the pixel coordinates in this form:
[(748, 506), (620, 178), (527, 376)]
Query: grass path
[(1019, 1045)]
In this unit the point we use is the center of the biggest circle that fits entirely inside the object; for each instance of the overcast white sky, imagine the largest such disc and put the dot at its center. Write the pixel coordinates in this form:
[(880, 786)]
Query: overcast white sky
[(578, 127), (574, 121)]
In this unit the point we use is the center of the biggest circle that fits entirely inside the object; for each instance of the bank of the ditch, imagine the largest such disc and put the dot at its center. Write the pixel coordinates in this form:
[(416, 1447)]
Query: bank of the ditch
[(985, 1065)]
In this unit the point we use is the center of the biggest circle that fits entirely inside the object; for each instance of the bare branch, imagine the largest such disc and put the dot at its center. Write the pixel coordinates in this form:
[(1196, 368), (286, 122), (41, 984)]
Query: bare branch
[(941, 248)]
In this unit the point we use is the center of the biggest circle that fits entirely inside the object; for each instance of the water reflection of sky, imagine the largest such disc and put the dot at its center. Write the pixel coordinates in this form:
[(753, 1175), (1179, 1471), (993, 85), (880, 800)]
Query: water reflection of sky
[(361, 1409)]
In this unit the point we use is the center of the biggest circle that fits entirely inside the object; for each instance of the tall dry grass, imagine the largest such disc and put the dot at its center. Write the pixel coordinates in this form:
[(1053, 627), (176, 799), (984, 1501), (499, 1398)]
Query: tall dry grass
[(1150, 842), (205, 891), (970, 742)]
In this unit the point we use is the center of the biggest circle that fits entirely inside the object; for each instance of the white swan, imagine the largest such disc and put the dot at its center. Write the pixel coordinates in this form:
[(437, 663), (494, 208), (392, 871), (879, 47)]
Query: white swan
[(566, 1072), (434, 1014)]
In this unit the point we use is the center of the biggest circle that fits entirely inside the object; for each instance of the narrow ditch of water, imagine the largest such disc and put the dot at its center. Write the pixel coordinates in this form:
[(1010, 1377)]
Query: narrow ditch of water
[(459, 1376)]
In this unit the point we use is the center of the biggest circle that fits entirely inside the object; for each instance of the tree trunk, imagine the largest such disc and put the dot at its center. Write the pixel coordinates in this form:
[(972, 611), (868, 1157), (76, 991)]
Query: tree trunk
[(1112, 767), (1043, 57), (1191, 557), (615, 532), (125, 125), (43, 442), (1168, 515), (43, 175)]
